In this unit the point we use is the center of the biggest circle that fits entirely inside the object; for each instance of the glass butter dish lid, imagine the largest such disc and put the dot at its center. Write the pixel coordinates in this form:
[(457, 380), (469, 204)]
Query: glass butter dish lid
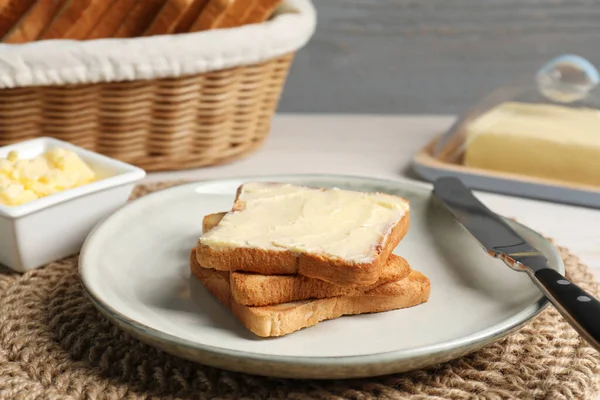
[(548, 130)]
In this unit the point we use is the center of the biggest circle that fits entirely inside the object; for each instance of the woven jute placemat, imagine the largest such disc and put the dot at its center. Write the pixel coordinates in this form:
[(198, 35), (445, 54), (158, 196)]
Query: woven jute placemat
[(55, 345)]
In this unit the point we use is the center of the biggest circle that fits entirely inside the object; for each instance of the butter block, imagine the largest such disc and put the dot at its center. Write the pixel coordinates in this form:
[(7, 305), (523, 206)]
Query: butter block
[(539, 140)]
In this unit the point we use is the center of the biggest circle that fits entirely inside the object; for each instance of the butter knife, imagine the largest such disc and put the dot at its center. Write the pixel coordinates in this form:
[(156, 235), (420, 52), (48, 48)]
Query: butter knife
[(577, 306)]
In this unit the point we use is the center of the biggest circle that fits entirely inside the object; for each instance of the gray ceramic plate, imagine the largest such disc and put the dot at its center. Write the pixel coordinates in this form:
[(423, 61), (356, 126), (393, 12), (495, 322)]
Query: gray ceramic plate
[(134, 267)]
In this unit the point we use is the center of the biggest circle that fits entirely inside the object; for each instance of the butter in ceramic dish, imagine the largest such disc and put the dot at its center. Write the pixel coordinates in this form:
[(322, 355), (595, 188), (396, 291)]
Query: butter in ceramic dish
[(537, 139), (25, 180)]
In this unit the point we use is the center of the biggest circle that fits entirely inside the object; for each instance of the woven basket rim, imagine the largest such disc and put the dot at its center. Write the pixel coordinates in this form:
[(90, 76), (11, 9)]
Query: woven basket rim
[(159, 124), (69, 62)]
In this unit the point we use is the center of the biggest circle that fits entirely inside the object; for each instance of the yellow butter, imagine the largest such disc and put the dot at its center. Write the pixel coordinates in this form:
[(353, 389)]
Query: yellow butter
[(24, 180), (334, 222), (539, 140)]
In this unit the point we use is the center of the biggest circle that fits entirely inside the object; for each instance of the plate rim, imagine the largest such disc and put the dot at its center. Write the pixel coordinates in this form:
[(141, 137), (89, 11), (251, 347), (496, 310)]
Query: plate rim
[(494, 332)]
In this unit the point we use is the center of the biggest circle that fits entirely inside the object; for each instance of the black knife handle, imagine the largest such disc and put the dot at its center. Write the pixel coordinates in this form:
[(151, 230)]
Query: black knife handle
[(580, 308)]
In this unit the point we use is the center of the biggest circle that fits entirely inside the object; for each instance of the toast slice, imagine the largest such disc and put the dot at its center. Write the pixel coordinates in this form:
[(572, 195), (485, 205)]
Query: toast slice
[(139, 18), (191, 15), (107, 25), (211, 15), (234, 15), (11, 12), (66, 17), (168, 17), (261, 12), (89, 18), (282, 319), (338, 236), (34, 21), (261, 290)]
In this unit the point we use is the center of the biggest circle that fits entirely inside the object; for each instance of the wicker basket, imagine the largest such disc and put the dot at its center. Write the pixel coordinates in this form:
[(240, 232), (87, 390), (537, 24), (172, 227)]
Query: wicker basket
[(166, 123)]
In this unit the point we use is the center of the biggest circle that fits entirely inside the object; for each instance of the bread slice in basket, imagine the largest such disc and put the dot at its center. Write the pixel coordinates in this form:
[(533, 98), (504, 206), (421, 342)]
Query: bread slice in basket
[(339, 236), (190, 16), (11, 12), (107, 24), (85, 23), (282, 319), (139, 18), (68, 15), (263, 10), (213, 13), (234, 15), (167, 18), (259, 290), (34, 21)]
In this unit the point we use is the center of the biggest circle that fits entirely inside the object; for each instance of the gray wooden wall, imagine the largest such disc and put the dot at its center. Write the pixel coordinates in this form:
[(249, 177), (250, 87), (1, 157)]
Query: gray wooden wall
[(431, 56)]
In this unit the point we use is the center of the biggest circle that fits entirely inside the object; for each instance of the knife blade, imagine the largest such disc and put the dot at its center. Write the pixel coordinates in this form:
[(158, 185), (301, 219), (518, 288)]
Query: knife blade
[(494, 234)]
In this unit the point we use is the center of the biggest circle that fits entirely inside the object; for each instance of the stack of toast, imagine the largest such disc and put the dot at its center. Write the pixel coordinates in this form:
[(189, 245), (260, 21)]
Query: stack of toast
[(287, 257), (24, 21)]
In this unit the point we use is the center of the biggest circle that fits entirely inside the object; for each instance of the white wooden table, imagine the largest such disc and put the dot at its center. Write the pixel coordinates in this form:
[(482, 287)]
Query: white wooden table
[(382, 147)]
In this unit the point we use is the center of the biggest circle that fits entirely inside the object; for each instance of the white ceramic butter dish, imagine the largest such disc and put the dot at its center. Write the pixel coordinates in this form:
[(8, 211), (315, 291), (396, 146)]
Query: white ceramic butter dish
[(52, 227)]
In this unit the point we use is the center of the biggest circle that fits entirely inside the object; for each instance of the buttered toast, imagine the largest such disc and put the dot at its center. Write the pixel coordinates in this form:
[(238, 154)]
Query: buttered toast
[(338, 236), (257, 290), (282, 319)]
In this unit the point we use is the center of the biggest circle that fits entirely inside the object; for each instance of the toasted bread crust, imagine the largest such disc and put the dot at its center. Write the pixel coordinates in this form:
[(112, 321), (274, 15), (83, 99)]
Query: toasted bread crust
[(261, 290), (107, 25), (249, 260), (261, 12), (211, 15), (217, 282), (34, 21), (168, 17), (209, 221), (66, 17), (139, 18), (84, 24), (335, 271), (420, 289), (11, 13), (192, 13), (234, 15), (282, 319)]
